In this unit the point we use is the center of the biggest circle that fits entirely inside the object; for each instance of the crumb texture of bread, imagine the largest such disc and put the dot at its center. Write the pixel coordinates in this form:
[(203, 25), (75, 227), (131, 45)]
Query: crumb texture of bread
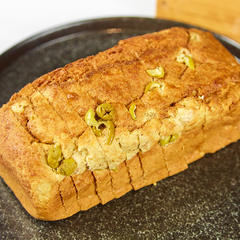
[(160, 122)]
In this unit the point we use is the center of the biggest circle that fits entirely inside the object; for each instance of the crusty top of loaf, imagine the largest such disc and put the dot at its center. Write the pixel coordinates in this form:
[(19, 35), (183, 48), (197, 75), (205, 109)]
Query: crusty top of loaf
[(52, 108)]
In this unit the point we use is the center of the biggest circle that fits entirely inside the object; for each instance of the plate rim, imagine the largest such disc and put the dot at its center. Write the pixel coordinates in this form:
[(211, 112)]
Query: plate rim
[(10, 55)]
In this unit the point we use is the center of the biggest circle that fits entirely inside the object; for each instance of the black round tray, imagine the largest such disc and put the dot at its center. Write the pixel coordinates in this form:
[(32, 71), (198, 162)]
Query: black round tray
[(200, 203)]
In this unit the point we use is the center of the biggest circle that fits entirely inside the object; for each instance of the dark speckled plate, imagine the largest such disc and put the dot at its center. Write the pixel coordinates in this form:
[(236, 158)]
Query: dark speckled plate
[(200, 203)]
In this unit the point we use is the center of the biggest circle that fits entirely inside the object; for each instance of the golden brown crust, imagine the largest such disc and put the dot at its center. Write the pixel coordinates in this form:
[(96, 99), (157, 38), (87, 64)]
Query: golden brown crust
[(86, 190), (104, 185), (153, 164), (69, 196), (200, 106), (39, 195), (135, 171)]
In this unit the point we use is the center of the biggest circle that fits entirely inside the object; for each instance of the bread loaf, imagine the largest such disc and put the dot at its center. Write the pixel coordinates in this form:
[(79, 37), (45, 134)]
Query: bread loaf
[(123, 119)]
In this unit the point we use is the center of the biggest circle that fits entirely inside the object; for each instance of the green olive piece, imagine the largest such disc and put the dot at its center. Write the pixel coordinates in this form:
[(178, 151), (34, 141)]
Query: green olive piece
[(67, 167), (54, 156), (105, 111), (97, 131), (165, 141), (194, 37), (158, 72), (132, 109), (152, 85), (111, 130), (174, 138), (189, 62), (90, 118), (115, 169)]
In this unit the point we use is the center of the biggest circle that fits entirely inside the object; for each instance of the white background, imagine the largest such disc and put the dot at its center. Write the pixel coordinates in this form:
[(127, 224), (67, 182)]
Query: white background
[(20, 19)]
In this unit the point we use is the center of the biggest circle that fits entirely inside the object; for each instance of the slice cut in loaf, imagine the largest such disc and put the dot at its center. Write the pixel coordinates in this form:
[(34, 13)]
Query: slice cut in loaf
[(123, 119)]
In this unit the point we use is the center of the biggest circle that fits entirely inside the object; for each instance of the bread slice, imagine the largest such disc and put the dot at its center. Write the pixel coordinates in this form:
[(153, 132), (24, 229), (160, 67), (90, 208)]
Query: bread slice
[(161, 120)]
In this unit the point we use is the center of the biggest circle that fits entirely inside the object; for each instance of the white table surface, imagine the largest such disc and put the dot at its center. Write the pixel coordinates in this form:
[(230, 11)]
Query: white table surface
[(20, 19)]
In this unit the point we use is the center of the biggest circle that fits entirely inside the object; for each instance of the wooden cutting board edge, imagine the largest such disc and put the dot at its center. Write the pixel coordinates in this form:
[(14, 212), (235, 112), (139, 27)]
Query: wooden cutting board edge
[(222, 17)]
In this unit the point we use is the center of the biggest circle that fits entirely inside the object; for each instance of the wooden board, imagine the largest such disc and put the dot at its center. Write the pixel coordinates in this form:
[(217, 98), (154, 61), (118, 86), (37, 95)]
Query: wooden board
[(220, 16)]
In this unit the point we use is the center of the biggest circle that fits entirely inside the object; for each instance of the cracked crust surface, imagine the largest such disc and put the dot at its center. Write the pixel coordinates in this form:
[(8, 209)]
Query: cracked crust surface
[(200, 106)]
